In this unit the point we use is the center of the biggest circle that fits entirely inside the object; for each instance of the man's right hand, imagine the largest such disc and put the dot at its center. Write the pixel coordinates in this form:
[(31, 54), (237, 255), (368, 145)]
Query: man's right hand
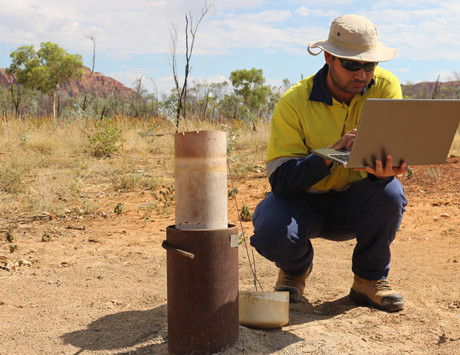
[(344, 143)]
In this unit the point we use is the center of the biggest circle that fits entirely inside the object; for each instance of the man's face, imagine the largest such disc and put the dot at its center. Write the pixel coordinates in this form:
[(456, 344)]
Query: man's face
[(346, 83)]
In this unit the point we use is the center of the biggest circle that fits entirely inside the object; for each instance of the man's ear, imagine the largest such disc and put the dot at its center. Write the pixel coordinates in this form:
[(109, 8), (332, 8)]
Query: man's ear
[(328, 57)]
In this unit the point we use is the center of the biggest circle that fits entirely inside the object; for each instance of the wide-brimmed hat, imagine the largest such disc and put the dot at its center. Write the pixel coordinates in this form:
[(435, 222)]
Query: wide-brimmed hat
[(354, 37)]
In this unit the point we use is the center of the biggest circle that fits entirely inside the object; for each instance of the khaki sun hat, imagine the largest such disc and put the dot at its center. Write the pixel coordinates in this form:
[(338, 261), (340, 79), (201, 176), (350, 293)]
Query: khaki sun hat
[(354, 37)]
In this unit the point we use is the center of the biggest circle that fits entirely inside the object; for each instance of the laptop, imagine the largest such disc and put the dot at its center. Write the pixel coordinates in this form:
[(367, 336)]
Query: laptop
[(419, 132)]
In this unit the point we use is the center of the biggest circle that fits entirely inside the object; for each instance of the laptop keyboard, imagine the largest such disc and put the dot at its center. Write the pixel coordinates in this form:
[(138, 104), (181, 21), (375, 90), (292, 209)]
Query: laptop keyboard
[(341, 157)]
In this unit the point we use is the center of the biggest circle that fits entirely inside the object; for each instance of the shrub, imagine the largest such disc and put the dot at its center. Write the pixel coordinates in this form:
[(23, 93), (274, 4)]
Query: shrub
[(12, 177), (246, 214), (106, 139)]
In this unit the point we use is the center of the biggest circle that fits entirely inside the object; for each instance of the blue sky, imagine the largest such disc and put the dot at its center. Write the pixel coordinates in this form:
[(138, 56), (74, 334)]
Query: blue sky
[(133, 37)]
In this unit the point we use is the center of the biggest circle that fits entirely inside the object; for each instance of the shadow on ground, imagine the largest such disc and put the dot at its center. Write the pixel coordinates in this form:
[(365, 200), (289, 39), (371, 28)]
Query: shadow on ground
[(305, 312), (123, 330), (127, 330)]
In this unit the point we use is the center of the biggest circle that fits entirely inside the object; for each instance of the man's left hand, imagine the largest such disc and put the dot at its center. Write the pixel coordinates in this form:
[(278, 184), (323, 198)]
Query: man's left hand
[(388, 170)]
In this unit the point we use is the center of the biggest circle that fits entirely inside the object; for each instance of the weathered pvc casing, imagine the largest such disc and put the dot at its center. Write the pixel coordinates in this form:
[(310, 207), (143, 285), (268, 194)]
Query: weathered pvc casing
[(202, 277), (201, 180)]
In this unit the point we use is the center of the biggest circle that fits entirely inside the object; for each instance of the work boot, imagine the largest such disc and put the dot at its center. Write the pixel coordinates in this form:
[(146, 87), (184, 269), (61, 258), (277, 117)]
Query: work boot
[(294, 284), (377, 294)]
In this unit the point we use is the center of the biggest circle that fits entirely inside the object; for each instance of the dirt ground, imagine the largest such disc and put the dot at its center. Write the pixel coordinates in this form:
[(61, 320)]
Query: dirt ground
[(97, 284)]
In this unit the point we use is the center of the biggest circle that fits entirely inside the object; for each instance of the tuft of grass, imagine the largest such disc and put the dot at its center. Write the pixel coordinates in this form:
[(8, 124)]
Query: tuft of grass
[(165, 200), (119, 208), (433, 173), (9, 237), (148, 208), (241, 166), (12, 175), (126, 182), (232, 192), (84, 206), (246, 214), (43, 145), (135, 181), (410, 173)]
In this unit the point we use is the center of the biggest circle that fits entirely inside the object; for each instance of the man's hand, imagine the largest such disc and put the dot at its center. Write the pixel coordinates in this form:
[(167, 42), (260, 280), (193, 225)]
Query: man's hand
[(388, 170), (345, 143)]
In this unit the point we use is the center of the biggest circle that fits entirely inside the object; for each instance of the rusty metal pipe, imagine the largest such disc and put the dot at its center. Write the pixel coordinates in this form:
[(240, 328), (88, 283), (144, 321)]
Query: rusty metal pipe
[(202, 291), (166, 246)]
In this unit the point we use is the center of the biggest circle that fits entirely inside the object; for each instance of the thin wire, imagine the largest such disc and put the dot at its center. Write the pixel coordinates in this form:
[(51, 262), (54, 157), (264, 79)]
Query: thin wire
[(252, 265)]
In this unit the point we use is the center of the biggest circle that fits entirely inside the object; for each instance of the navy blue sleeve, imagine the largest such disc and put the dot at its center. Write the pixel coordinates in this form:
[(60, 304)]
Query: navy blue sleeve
[(296, 175)]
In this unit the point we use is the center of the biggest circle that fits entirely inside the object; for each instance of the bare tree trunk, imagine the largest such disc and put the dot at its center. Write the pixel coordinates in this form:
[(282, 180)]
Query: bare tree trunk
[(92, 69), (54, 105), (206, 102), (173, 47), (155, 108), (191, 29), (436, 89), (16, 98)]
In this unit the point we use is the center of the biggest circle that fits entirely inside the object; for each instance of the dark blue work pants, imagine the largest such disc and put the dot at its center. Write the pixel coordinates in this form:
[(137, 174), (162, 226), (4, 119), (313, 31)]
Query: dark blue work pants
[(369, 211)]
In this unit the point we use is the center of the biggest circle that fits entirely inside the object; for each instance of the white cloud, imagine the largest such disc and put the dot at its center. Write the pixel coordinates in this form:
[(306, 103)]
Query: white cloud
[(123, 29), (446, 75), (322, 3), (235, 4), (304, 11), (424, 33)]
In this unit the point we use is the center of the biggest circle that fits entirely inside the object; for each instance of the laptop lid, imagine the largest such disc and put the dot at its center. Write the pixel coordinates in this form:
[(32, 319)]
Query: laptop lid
[(419, 132)]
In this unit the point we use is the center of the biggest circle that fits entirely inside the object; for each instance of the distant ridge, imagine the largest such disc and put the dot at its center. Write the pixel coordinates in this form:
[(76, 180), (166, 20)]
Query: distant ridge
[(98, 84), (427, 88)]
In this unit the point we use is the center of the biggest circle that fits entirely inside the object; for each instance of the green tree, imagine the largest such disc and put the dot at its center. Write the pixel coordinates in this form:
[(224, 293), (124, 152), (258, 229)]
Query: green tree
[(249, 85), (45, 69)]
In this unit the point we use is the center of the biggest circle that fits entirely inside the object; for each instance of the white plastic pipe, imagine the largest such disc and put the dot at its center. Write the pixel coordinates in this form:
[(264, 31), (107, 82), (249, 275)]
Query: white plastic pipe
[(201, 180)]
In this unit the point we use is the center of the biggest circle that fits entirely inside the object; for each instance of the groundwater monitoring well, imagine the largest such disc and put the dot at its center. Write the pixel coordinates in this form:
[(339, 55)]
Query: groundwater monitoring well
[(202, 249)]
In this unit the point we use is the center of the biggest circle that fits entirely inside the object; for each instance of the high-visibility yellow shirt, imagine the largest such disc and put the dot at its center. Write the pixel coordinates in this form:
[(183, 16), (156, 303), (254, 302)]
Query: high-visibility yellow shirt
[(307, 117)]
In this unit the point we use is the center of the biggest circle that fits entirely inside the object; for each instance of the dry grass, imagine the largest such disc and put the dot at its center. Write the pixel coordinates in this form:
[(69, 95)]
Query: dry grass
[(49, 168)]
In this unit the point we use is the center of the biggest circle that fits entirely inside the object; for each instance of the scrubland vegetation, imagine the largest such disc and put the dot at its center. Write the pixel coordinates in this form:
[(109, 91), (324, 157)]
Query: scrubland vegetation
[(55, 169)]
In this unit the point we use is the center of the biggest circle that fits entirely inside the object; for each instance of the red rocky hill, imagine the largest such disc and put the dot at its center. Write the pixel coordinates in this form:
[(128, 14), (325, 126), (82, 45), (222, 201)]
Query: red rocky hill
[(433, 89), (98, 84)]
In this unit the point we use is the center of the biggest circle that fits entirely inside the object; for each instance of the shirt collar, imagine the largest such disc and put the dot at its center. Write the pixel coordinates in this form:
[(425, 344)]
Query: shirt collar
[(319, 92)]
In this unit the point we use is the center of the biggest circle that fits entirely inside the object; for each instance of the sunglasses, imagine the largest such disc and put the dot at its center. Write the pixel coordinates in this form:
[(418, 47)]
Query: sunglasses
[(352, 65)]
